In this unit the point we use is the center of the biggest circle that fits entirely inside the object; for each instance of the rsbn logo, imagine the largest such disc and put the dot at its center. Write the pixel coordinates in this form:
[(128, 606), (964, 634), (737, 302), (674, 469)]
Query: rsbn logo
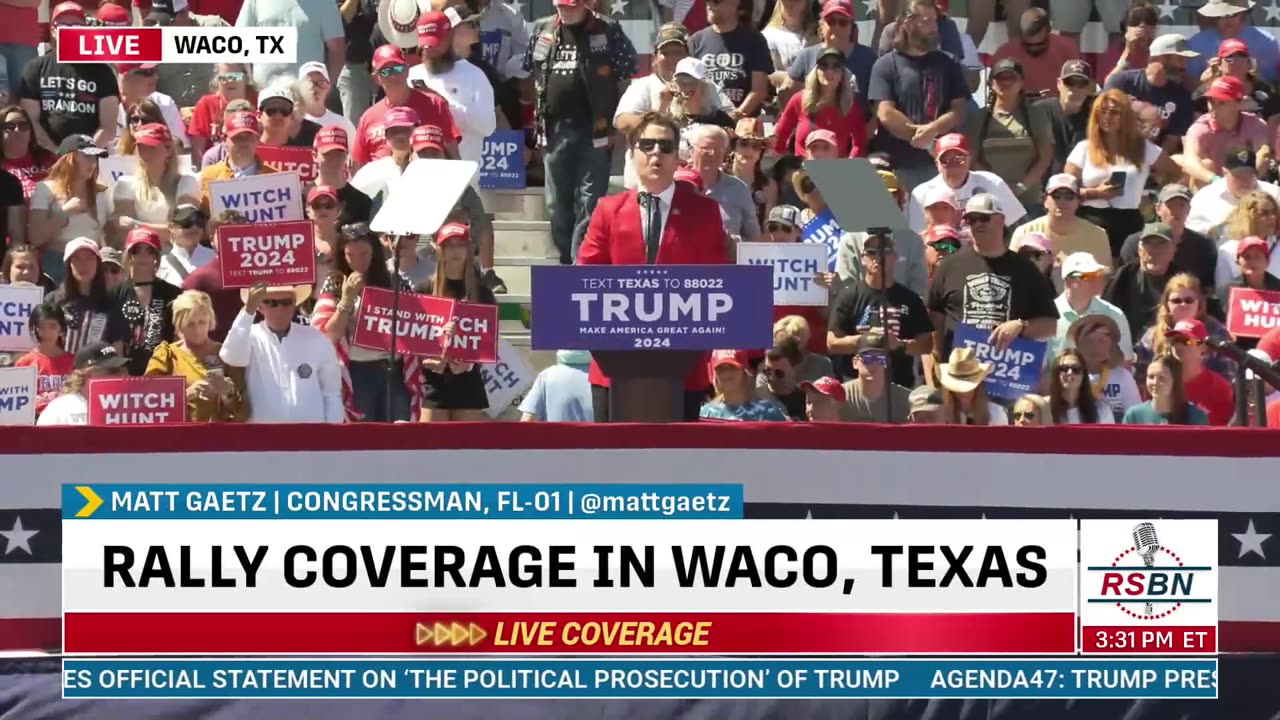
[(1154, 589)]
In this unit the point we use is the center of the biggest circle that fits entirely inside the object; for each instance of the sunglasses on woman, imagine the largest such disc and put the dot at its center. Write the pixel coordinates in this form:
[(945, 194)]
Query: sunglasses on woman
[(830, 65), (231, 77), (135, 120), (13, 127), (142, 250), (1070, 370), (1024, 415), (185, 224), (1182, 301), (324, 206), (390, 70)]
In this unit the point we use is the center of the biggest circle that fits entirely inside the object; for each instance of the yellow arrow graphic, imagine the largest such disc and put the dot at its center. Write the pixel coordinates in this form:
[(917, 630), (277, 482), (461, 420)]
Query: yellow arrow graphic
[(441, 634), (92, 501), (477, 634), (423, 634)]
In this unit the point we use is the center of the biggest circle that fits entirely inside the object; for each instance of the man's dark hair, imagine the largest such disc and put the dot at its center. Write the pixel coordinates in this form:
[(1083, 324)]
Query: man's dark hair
[(46, 311), (787, 349), (1142, 13), (653, 118)]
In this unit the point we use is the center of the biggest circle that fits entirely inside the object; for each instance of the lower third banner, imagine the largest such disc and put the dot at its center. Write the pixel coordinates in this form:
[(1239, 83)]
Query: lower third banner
[(660, 307)]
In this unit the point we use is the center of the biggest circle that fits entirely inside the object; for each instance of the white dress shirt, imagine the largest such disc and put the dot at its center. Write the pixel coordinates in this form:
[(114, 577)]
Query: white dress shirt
[(979, 181), (1212, 203), (664, 211), (295, 379)]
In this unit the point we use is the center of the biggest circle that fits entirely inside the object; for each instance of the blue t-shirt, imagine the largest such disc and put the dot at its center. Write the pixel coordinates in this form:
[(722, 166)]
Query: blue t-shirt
[(1262, 47), (1145, 414), (922, 87), (754, 411), (560, 393), (1172, 100)]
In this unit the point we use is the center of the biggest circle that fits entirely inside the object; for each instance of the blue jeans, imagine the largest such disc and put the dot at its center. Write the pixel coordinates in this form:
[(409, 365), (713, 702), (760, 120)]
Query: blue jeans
[(577, 175), (13, 58), (369, 391)]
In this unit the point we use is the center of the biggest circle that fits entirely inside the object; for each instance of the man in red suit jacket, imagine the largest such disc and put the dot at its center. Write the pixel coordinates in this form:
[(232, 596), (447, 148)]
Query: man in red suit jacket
[(691, 233)]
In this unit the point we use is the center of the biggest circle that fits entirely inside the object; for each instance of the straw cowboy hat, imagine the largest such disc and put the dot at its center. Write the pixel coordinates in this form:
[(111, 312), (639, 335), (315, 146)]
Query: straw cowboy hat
[(300, 292), (398, 21), (963, 373), (1089, 322)]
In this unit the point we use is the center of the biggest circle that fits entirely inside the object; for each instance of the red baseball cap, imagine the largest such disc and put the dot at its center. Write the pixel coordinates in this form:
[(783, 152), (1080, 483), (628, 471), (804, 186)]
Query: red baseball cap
[(1193, 329), (153, 135), (387, 55), (142, 236), (1226, 88), (1270, 344), (428, 136), (828, 386), (821, 135), (400, 117), (1227, 48), (941, 232), (113, 15), (242, 122), (691, 176), (433, 29), (1253, 242), (66, 8), (130, 67), (737, 358), (320, 191), (331, 138), (452, 230), (950, 142), (836, 7)]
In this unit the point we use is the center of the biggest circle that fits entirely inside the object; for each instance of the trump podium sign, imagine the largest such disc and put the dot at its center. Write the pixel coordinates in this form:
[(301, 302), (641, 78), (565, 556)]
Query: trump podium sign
[(652, 307)]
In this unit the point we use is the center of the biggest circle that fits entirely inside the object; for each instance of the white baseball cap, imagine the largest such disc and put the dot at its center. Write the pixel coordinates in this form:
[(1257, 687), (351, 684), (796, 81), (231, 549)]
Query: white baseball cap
[(1081, 263), (313, 66), (1171, 44), (693, 67), (81, 243), (1062, 181)]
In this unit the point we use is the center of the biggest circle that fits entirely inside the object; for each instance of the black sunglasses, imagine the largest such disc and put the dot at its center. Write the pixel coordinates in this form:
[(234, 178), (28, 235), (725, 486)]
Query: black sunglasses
[(142, 250), (1063, 195), (830, 65), (664, 145), (1070, 369), (136, 119), (277, 111), (776, 227), (1024, 415), (278, 303), (324, 206), (976, 219), (186, 224), (16, 127), (1077, 83)]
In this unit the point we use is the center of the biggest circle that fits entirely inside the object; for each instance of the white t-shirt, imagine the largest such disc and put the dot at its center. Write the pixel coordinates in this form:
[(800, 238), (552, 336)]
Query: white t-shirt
[(168, 110), (979, 181), (189, 262), (1096, 176), (784, 44), (156, 208), (995, 415), (470, 98), (1105, 416), (80, 224), (1120, 390), (641, 96), (71, 409), (331, 118)]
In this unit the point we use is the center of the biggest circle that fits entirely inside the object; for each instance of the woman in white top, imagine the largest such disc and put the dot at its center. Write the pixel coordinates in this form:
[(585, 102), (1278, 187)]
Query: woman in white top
[(69, 203), (157, 185), (1113, 165), (791, 28), (1072, 400), (964, 397)]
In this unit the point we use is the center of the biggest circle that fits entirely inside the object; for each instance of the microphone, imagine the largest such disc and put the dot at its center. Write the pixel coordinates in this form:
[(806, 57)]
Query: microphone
[(1146, 543)]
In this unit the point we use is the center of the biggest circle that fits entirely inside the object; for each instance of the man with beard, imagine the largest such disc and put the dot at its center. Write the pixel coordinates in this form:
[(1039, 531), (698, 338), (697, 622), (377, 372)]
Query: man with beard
[(1161, 84), (464, 85), (918, 92), (1069, 111), (1040, 51)]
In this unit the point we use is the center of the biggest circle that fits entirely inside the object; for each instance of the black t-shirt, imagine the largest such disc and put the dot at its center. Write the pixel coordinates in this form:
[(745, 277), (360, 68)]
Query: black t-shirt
[(359, 31), (731, 58), (1195, 252), (89, 322), (566, 87), (1171, 100), (356, 206), (306, 136), (922, 87), (149, 325), (10, 195), (68, 93), (972, 289), (859, 306), (1137, 294), (1068, 131)]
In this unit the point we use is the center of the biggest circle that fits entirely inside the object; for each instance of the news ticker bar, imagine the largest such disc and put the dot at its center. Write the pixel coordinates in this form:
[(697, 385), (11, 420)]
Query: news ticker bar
[(178, 44), (1035, 679), (103, 501)]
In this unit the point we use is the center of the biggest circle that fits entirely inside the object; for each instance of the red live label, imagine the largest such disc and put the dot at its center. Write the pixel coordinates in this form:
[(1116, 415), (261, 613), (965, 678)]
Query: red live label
[(1127, 640), (110, 45)]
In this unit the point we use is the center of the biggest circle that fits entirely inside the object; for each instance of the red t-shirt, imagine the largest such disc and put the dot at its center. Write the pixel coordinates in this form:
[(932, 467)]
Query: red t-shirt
[(30, 170), (850, 129), (1213, 394), (370, 142), (1273, 414), (50, 373), (206, 118)]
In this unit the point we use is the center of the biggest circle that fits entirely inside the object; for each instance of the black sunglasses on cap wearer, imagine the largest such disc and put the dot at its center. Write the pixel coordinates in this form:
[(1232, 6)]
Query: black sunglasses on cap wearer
[(777, 227), (977, 219), (278, 302), (663, 145)]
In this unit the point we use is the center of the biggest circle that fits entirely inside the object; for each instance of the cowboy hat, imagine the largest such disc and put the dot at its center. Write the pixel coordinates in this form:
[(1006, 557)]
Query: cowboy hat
[(1091, 321), (300, 292), (963, 373), (398, 21)]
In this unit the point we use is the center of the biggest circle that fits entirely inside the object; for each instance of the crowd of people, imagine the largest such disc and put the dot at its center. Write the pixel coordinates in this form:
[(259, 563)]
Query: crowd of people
[(1108, 215)]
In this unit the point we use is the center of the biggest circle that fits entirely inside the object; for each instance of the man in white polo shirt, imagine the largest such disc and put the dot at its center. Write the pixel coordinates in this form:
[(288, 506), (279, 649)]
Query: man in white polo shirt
[(291, 371)]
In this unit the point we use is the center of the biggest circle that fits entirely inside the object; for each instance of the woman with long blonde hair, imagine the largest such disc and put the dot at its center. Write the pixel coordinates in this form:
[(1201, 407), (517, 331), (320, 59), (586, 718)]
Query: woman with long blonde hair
[(1113, 164), (1257, 214), (69, 203), (145, 198), (1183, 299), (829, 102)]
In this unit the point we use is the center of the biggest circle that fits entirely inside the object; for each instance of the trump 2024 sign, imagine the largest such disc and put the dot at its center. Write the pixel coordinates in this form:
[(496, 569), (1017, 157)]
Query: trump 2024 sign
[(652, 307)]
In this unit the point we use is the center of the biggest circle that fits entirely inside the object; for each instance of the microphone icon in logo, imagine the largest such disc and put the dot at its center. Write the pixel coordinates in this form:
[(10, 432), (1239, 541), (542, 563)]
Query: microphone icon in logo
[(1146, 544)]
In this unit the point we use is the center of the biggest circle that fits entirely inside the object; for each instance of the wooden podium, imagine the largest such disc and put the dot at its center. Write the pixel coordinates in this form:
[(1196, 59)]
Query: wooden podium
[(646, 385)]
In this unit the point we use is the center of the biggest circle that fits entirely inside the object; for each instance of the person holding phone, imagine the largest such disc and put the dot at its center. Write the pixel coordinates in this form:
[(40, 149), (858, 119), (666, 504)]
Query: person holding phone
[(1112, 165)]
